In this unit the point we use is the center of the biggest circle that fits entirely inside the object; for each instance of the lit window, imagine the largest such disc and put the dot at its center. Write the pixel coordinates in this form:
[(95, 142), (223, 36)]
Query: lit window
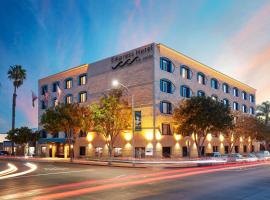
[(235, 106), (185, 91), (166, 86), (201, 93), (226, 102), (44, 89), (82, 97), (68, 83), (166, 65), (235, 92), (68, 99), (55, 85), (251, 98), (226, 88), (244, 95), (244, 108), (251, 111), (82, 79), (165, 107), (185, 72), (201, 78), (214, 83), (166, 129), (214, 97)]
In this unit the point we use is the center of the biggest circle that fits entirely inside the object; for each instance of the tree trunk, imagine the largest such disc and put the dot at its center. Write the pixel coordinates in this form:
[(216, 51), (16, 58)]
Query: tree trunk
[(69, 144), (13, 117), (110, 154)]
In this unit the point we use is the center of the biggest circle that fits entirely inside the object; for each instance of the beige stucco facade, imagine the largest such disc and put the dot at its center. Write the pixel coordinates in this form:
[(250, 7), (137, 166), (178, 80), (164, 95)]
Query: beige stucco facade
[(140, 71)]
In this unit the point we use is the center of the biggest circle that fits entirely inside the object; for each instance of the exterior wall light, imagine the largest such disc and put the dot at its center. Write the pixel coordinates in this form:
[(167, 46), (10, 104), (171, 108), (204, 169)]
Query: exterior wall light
[(221, 138), (158, 136), (128, 136), (177, 137), (241, 139), (209, 137), (149, 136), (89, 137)]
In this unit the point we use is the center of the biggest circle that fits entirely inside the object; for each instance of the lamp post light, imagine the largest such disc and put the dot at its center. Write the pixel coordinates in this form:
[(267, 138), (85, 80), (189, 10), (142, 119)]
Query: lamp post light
[(116, 83)]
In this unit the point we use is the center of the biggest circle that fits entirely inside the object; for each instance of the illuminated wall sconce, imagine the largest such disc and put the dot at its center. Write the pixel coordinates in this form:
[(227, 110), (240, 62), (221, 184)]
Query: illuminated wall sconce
[(177, 137), (177, 146), (128, 136), (89, 137), (221, 138), (71, 146), (89, 146), (158, 136), (149, 136), (249, 139), (241, 139), (158, 146), (149, 145), (232, 138), (50, 146), (209, 137)]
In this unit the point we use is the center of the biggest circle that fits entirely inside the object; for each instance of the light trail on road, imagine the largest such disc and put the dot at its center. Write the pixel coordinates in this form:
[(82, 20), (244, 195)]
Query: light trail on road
[(32, 167), (137, 182), (11, 168)]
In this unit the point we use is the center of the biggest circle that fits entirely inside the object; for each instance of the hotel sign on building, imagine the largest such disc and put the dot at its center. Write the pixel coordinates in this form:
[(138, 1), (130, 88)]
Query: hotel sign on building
[(158, 77)]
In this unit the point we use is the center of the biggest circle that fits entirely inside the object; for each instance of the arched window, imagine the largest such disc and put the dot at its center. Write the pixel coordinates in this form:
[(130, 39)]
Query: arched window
[(201, 78), (68, 99), (214, 83), (165, 107), (251, 98), (82, 97), (166, 65), (185, 91), (226, 102), (244, 108), (251, 111), (82, 79), (185, 72), (44, 89), (244, 95), (235, 92), (166, 86), (55, 85), (214, 97), (200, 93), (225, 88), (68, 83), (235, 106)]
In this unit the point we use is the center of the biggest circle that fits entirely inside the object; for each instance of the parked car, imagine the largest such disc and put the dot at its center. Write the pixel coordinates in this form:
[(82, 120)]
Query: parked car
[(214, 155), (251, 157), (234, 157), (263, 155), (4, 153)]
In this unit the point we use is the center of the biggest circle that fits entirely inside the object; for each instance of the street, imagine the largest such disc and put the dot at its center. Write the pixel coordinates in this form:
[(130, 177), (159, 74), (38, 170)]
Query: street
[(74, 181)]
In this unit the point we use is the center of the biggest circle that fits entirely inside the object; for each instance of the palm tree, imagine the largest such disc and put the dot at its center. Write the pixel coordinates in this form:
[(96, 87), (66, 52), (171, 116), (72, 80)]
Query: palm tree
[(264, 111), (17, 75)]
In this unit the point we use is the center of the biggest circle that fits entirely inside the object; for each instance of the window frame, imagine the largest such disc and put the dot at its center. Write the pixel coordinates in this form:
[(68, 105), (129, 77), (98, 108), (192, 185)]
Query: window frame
[(79, 79), (244, 95), (71, 100), (201, 91), (170, 86), (237, 106), (66, 81), (235, 92), (168, 129), (189, 72), (171, 66), (79, 97), (187, 90), (226, 88), (203, 78), (217, 83), (168, 107)]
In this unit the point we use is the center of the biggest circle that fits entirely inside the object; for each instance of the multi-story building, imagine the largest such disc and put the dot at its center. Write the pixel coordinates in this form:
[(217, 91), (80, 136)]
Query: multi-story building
[(158, 77)]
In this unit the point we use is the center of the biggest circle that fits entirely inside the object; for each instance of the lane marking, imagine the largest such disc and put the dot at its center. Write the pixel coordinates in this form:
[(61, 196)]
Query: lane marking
[(11, 168), (32, 167)]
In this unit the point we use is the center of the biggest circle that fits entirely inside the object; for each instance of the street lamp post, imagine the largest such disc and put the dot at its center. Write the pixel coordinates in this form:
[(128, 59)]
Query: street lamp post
[(116, 83)]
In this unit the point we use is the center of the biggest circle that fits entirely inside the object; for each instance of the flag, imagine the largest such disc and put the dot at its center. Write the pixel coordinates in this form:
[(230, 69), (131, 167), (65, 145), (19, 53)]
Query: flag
[(34, 97), (58, 93)]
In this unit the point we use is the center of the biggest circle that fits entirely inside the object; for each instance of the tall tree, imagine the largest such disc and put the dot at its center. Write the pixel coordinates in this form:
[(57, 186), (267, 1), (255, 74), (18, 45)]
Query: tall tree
[(64, 117), (111, 116), (17, 75), (263, 110), (201, 116)]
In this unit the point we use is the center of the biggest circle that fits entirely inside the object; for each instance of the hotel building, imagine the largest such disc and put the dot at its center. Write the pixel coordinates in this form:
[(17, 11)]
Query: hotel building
[(158, 77)]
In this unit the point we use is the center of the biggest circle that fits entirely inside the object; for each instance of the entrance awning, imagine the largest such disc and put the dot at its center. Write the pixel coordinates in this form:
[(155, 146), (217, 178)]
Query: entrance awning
[(52, 140)]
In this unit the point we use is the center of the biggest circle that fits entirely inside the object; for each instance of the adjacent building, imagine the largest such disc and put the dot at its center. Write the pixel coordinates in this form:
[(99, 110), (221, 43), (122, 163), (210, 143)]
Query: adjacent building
[(158, 77)]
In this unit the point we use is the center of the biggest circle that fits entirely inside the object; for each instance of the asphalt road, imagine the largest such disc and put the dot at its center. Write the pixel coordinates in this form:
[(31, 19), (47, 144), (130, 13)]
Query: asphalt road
[(73, 181)]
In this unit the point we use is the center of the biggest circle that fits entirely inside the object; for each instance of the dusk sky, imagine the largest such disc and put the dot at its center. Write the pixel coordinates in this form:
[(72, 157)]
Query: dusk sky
[(45, 37)]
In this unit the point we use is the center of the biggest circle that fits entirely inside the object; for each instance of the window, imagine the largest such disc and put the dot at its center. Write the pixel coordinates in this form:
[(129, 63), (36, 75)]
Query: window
[(235, 106), (43, 105), (201, 78), (68, 99), (236, 149), (185, 72), (44, 89), (166, 129), (166, 65), (54, 102), (82, 151), (55, 85), (251, 111), (226, 102), (165, 107), (235, 92), (166, 86), (226, 88), (43, 134), (215, 148), (68, 83), (98, 151), (82, 133), (82, 79), (82, 97), (214, 97), (251, 98), (201, 93), (244, 108), (226, 149), (185, 91), (117, 152), (245, 148), (214, 83), (244, 95)]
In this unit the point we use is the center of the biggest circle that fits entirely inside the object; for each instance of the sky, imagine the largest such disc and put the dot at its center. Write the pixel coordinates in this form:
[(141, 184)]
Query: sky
[(45, 37)]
